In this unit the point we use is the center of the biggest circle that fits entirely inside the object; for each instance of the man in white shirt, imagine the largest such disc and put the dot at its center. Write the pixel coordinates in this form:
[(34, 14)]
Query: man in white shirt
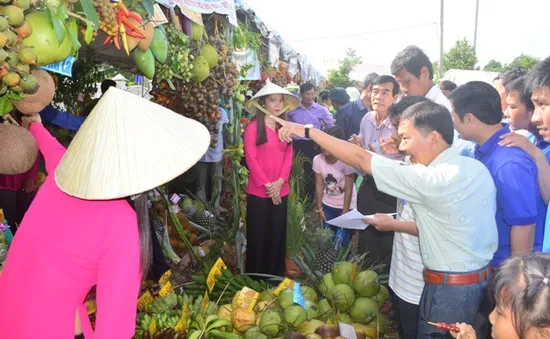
[(414, 72), (454, 198)]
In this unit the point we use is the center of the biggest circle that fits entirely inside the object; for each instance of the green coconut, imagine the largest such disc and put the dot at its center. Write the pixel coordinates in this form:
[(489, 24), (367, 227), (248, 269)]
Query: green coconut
[(382, 323), (270, 323), (341, 272), (364, 310), (309, 293), (295, 315), (210, 54), (325, 310), (346, 318), (309, 327), (325, 284), (196, 31), (200, 70), (382, 296), (366, 284), (44, 40), (342, 296), (254, 333), (266, 296), (285, 298), (145, 62), (312, 309)]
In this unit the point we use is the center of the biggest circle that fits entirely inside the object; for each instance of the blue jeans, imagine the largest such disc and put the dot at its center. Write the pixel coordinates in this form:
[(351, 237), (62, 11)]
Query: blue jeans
[(452, 304), (331, 213)]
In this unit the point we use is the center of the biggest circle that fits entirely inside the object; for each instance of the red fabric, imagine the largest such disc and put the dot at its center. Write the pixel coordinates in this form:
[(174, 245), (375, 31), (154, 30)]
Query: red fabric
[(16, 182), (267, 162)]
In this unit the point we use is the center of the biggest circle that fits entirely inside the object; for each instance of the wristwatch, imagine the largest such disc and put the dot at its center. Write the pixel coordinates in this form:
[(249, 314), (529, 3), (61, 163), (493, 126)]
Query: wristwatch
[(307, 128)]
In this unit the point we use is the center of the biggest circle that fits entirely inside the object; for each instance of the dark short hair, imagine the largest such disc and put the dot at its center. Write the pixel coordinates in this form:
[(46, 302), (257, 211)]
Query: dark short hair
[(385, 79), (518, 85), (336, 132), (480, 99), (519, 283), (368, 80), (539, 76), (306, 86), (106, 84), (397, 109), (412, 59), (324, 95), (511, 75), (431, 117), (447, 85)]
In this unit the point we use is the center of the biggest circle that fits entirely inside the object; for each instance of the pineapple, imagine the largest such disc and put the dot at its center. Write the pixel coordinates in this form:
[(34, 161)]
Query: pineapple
[(206, 219), (325, 255)]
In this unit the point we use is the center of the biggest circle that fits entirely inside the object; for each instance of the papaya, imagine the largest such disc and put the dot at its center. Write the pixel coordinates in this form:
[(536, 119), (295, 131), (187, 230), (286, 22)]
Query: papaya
[(159, 46), (44, 40), (145, 62), (149, 33)]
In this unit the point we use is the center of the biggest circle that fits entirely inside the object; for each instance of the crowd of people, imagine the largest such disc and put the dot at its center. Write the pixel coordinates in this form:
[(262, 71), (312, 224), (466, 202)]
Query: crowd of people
[(465, 168)]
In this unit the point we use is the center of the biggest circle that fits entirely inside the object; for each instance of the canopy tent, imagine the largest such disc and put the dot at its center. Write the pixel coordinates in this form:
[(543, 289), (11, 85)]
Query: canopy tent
[(461, 76)]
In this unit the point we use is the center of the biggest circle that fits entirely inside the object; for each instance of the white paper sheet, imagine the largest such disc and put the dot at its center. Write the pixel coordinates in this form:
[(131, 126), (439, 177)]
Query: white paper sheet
[(347, 331), (352, 220)]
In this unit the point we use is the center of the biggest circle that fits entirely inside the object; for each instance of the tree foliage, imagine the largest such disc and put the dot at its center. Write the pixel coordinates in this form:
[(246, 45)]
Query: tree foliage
[(460, 56), (339, 77), (526, 62), (493, 66)]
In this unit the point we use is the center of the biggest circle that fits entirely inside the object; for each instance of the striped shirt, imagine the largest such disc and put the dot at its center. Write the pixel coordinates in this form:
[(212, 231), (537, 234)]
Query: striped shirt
[(406, 267), (371, 132)]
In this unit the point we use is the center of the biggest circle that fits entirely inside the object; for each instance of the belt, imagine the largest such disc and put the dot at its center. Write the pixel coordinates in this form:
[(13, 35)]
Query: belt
[(438, 278)]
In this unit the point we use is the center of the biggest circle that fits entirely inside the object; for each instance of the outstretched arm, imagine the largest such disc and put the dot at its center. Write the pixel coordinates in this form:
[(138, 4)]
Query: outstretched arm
[(50, 148)]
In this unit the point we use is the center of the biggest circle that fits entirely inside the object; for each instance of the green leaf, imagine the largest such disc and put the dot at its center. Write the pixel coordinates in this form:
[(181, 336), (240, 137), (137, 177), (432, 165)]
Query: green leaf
[(14, 95), (61, 12), (148, 5), (89, 11), (89, 33), (5, 105), (74, 40), (58, 26)]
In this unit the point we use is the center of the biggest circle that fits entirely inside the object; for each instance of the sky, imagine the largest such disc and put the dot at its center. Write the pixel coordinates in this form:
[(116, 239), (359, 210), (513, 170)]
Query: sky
[(378, 30)]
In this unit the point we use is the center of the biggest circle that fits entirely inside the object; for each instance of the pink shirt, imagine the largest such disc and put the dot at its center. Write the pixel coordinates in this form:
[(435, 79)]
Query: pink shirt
[(63, 247), (267, 162), (334, 178)]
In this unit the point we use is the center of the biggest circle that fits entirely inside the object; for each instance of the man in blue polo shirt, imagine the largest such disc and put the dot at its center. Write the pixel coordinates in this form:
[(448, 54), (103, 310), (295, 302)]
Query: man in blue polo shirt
[(477, 114)]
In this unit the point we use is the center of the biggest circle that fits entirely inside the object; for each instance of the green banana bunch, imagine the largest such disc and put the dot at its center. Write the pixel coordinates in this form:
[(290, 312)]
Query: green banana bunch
[(206, 327)]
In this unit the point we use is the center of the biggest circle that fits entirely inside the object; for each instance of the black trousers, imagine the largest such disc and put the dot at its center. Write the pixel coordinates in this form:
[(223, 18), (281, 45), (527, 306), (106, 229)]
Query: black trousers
[(370, 201), (406, 315), (265, 235), (15, 204), (310, 150)]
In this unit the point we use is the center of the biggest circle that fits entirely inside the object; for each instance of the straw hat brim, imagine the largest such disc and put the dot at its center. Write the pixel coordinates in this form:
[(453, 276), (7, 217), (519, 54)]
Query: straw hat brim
[(127, 146), (290, 100)]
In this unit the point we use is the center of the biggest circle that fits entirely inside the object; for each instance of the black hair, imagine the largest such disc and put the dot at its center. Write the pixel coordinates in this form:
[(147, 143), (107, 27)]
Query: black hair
[(324, 95), (412, 59), (447, 85), (431, 117), (144, 228), (306, 86), (368, 80), (518, 85), (261, 132), (521, 283), (106, 84), (385, 79), (480, 99), (336, 132), (511, 75), (539, 76), (396, 109)]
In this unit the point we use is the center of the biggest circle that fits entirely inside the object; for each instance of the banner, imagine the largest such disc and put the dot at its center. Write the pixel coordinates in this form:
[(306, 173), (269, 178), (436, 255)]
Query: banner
[(248, 58), (226, 7)]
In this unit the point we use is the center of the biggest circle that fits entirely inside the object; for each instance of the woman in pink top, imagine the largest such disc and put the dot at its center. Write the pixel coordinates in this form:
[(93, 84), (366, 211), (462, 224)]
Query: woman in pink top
[(66, 245), (269, 161)]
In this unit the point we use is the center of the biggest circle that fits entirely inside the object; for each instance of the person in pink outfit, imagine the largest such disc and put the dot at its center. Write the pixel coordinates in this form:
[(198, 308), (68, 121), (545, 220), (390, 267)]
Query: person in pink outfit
[(80, 230), (269, 162)]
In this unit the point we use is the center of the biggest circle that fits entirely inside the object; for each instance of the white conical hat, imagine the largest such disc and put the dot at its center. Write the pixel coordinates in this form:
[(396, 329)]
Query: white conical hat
[(128, 145), (291, 101)]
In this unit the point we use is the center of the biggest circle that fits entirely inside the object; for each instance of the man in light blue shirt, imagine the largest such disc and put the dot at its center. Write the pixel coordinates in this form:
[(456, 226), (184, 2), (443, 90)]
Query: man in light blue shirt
[(211, 165)]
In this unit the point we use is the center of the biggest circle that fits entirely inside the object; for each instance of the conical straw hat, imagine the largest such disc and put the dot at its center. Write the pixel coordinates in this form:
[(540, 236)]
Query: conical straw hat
[(291, 101), (129, 145)]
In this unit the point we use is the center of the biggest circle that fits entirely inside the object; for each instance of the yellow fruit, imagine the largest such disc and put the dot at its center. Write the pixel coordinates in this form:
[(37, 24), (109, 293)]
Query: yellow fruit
[(243, 319), (14, 14), (23, 4), (27, 55), (149, 33), (11, 79), (24, 30)]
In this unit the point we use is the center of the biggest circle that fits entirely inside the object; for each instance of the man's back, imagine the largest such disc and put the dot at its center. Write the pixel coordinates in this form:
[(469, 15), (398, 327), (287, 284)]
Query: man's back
[(454, 199), (518, 197)]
